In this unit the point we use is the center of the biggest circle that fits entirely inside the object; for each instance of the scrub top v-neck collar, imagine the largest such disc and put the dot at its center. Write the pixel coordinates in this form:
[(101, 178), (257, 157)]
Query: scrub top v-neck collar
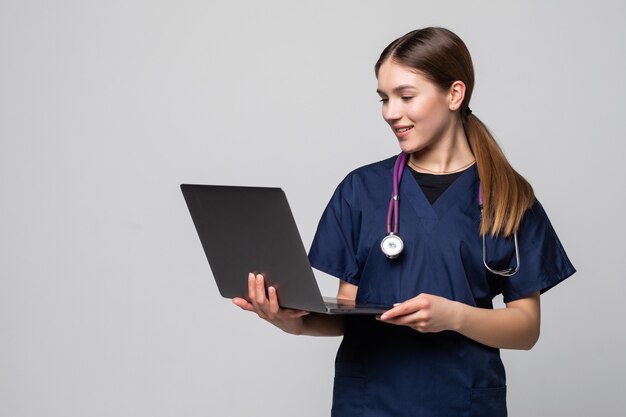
[(430, 214)]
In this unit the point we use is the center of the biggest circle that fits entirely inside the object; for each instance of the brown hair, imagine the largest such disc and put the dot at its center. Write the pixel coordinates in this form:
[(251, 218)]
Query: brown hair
[(442, 57)]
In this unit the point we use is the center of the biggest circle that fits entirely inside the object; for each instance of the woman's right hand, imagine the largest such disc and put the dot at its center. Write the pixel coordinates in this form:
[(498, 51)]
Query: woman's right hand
[(288, 320)]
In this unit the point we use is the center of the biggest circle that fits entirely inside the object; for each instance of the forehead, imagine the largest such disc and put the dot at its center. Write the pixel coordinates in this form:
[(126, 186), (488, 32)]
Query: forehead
[(392, 76)]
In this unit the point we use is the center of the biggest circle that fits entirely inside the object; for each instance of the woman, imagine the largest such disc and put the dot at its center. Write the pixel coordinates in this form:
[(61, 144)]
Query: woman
[(436, 352)]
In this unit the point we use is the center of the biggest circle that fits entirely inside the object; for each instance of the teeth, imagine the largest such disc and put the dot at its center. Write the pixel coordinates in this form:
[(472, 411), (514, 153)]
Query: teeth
[(403, 129)]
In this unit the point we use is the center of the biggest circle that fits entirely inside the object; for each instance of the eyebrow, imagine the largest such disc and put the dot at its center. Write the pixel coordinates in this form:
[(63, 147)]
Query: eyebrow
[(398, 89)]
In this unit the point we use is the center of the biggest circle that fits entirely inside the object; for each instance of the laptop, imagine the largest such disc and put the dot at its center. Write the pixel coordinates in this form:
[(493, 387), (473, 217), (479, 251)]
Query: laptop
[(252, 229)]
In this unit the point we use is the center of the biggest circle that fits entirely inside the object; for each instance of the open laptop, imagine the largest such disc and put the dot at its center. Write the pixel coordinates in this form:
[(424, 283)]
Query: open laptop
[(252, 229)]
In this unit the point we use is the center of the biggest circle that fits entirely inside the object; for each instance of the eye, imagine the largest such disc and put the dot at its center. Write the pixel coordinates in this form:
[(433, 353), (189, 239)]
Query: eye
[(384, 100), (407, 98)]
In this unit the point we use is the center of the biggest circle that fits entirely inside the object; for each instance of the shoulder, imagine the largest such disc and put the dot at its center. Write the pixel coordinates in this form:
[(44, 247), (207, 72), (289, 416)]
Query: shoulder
[(369, 173), (536, 213), (365, 180), (536, 226), (384, 165)]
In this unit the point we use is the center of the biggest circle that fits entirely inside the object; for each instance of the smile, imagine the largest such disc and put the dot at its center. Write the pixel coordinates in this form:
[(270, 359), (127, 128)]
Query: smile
[(402, 131)]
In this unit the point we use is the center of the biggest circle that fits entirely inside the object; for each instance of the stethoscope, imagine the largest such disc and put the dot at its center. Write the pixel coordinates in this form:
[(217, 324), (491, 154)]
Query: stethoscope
[(392, 244)]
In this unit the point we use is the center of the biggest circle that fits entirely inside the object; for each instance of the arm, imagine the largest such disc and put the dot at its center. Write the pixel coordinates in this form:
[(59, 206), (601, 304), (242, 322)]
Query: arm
[(296, 322), (514, 327), (316, 324)]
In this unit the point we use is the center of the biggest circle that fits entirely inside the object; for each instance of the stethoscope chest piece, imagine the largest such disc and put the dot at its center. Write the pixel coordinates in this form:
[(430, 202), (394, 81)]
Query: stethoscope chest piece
[(392, 246)]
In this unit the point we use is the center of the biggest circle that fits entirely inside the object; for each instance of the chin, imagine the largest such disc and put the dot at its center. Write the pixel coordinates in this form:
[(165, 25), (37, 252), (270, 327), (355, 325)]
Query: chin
[(410, 148)]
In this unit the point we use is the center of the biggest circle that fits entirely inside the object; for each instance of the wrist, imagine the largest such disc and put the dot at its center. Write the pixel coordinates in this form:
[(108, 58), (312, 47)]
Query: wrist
[(298, 329), (295, 328), (459, 316)]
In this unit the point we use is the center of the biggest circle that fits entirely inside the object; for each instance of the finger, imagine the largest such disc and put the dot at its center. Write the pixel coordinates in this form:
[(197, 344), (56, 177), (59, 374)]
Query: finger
[(274, 306), (251, 287), (409, 321), (261, 298), (401, 309), (406, 320), (419, 320), (243, 304)]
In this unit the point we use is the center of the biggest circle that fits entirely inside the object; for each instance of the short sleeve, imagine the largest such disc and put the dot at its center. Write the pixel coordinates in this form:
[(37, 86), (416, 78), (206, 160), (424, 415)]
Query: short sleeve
[(543, 261), (335, 243)]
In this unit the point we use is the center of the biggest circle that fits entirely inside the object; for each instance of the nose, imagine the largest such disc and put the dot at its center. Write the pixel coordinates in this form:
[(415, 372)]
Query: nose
[(391, 111)]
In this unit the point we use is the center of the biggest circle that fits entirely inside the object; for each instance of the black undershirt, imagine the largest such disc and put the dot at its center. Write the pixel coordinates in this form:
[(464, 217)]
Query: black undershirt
[(433, 185)]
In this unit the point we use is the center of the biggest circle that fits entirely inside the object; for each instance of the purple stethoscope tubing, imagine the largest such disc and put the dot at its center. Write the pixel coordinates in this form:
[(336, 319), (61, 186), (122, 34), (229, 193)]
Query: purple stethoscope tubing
[(393, 219), (394, 210)]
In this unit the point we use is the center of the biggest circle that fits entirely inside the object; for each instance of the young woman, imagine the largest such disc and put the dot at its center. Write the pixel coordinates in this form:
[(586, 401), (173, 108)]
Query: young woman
[(470, 229)]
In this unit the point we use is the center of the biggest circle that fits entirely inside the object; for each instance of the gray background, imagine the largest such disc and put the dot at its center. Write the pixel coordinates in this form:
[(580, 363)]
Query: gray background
[(107, 304)]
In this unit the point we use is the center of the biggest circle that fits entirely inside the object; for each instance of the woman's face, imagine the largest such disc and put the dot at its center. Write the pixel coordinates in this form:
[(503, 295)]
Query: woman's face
[(416, 109)]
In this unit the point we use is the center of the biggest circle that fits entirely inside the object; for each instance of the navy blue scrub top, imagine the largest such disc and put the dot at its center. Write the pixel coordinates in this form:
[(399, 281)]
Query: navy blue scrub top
[(387, 370)]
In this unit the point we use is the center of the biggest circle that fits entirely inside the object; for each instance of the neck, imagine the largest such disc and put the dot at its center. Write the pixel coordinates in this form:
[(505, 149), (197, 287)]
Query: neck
[(449, 154)]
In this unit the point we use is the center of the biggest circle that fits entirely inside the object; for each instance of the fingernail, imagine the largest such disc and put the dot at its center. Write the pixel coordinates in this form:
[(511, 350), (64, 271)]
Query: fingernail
[(396, 304), (258, 278), (382, 317)]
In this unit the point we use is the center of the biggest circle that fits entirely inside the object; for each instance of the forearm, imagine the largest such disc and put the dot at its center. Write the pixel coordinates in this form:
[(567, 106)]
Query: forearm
[(514, 327), (316, 324)]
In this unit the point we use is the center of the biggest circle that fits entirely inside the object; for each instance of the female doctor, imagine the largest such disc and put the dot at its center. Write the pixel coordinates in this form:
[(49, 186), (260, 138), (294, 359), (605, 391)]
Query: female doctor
[(437, 231)]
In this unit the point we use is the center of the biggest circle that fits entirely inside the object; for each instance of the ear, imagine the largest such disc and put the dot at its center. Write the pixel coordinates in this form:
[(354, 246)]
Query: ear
[(456, 95)]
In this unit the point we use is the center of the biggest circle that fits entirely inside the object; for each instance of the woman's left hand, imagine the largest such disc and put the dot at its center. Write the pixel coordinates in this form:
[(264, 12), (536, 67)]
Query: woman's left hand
[(425, 313)]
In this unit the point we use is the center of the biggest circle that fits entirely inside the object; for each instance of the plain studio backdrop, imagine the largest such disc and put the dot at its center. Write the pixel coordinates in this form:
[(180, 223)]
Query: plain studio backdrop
[(107, 303)]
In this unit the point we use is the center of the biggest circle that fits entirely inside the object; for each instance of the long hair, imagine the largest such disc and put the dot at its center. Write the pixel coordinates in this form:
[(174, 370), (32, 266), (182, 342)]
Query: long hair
[(442, 57)]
